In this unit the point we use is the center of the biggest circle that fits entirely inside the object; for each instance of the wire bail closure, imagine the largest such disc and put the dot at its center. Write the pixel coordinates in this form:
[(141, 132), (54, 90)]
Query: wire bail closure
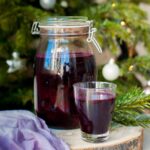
[(91, 37), (35, 28)]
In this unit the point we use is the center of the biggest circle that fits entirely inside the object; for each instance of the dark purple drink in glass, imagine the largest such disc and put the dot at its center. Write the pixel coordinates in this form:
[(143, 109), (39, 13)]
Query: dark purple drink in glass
[(54, 77), (95, 104), (95, 117)]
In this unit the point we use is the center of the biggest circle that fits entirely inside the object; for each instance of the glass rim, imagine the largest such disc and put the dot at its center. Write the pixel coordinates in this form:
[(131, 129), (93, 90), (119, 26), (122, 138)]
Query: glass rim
[(110, 85)]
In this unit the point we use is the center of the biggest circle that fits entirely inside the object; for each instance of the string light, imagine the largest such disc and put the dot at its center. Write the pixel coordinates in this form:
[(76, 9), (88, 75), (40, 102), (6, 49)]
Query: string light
[(131, 67), (113, 5), (128, 30), (64, 4), (123, 23)]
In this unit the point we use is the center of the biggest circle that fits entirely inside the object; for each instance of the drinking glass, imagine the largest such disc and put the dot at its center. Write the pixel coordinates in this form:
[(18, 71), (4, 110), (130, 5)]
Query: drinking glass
[(95, 103)]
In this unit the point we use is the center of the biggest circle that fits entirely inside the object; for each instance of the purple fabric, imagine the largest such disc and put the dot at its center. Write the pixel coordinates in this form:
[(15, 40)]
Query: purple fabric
[(22, 130)]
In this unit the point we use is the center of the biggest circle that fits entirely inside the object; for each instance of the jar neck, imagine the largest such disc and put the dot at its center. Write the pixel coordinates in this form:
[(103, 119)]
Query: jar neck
[(68, 37), (65, 31)]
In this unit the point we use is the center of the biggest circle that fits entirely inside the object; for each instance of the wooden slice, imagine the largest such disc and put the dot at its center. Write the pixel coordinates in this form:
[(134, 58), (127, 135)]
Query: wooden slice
[(122, 138)]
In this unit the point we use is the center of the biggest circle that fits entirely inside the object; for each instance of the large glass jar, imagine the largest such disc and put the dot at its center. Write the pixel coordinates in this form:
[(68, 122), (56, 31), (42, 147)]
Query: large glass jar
[(65, 56)]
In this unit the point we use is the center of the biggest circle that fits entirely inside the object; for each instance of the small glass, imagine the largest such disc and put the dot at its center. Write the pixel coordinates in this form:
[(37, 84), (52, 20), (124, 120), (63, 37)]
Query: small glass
[(95, 103)]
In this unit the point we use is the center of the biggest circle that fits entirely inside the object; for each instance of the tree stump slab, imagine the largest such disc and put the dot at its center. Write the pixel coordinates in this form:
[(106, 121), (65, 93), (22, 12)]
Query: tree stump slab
[(121, 138)]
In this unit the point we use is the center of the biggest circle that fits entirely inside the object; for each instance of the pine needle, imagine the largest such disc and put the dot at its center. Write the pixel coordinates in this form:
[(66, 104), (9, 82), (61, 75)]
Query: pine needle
[(129, 108)]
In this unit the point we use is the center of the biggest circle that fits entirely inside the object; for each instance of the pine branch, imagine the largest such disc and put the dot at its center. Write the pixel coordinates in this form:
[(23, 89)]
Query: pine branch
[(135, 1), (108, 20), (135, 99), (129, 118), (16, 34), (141, 64), (129, 108)]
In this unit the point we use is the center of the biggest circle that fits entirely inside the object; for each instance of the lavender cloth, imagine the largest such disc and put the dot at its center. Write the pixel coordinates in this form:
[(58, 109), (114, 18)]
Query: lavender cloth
[(22, 130)]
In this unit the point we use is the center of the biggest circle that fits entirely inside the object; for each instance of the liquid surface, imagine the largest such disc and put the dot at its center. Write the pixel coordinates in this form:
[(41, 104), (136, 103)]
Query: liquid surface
[(95, 115)]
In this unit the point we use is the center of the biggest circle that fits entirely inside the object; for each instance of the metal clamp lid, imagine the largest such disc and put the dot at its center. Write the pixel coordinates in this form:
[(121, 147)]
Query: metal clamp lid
[(35, 28), (91, 38)]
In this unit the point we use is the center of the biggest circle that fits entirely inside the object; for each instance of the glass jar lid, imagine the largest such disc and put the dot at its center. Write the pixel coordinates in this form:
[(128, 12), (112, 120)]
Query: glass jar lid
[(67, 26)]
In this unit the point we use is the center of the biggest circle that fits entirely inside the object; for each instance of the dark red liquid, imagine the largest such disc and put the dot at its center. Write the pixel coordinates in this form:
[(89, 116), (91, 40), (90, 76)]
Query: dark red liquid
[(54, 98), (95, 115)]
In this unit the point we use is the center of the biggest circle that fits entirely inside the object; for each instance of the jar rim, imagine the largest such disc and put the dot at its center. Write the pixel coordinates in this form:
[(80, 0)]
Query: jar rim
[(65, 22)]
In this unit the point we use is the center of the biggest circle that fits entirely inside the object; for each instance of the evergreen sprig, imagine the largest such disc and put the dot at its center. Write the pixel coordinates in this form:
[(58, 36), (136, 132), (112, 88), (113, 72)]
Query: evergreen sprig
[(140, 64), (108, 20), (135, 1), (129, 108)]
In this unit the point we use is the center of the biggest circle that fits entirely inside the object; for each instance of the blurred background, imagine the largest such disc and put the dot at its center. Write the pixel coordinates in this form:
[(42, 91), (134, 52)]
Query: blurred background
[(123, 32)]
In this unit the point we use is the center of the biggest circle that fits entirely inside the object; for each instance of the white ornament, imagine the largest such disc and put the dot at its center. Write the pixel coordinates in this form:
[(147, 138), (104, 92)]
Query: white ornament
[(14, 64), (47, 4), (111, 71)]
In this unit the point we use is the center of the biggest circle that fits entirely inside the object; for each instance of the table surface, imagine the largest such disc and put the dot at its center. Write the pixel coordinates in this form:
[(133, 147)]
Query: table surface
[(146, 143), (119, 135)]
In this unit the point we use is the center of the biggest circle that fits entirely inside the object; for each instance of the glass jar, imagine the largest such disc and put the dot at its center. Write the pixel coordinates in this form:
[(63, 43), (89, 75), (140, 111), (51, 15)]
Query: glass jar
[(65, 56)]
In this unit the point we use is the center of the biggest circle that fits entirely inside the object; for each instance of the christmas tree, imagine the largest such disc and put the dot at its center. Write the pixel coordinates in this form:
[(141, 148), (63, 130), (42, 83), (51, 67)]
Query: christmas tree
[(121, 25)]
